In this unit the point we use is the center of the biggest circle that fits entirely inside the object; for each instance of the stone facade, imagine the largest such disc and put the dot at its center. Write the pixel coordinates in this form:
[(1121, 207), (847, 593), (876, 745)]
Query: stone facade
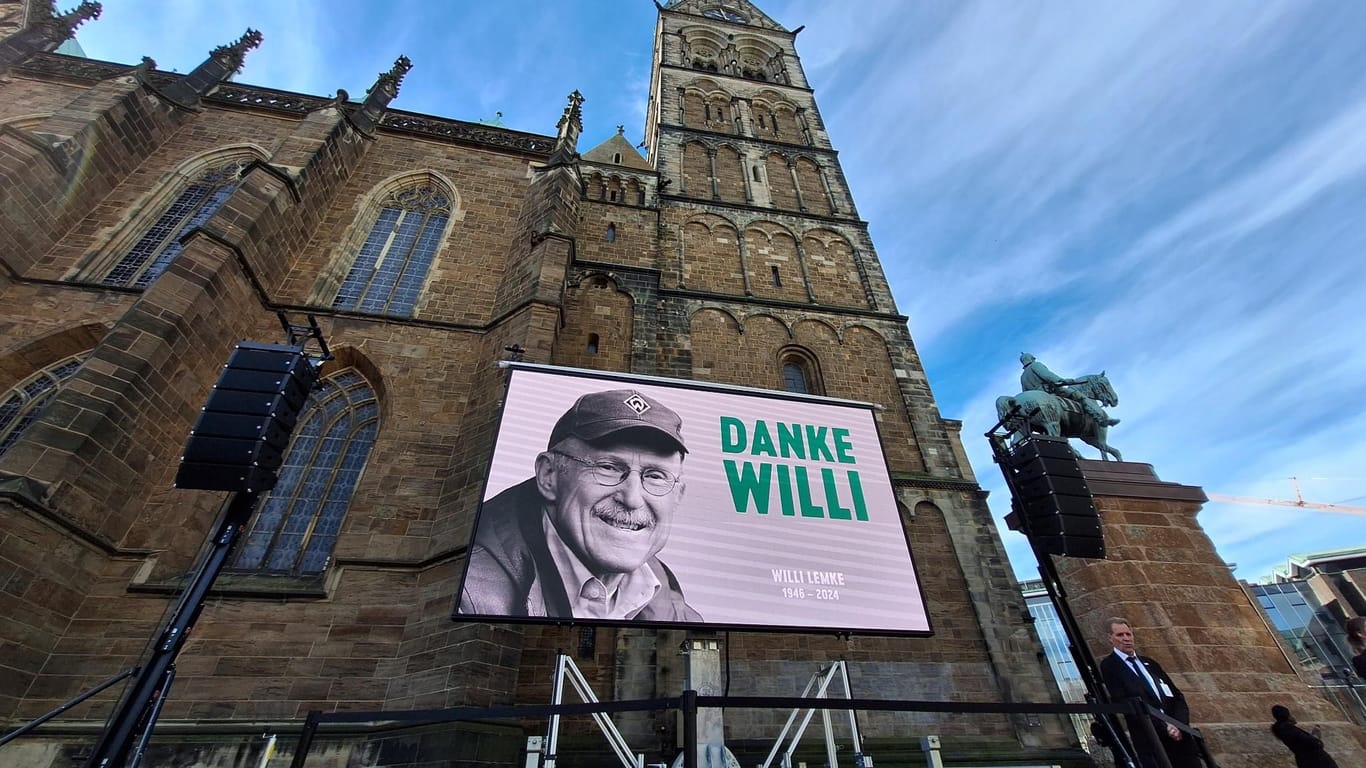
[(734, 248)]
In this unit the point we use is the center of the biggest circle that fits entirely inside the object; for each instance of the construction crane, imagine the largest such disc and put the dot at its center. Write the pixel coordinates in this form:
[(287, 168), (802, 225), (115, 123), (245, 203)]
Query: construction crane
[(1298, 501)]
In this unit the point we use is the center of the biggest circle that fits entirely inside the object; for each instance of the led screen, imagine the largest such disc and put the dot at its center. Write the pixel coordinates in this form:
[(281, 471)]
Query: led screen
[(622, 500)]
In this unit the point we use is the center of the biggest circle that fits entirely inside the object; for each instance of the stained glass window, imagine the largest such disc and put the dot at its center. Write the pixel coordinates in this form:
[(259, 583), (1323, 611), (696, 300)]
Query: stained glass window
[(392, 265), (22, 405), (160, 244), (296, 527)]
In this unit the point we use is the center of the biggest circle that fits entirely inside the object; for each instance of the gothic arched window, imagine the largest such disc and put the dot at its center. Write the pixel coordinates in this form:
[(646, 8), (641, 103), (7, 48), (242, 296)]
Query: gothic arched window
[(21, 406), (296, 526), (800, 373), (391, 267), (160, 244)]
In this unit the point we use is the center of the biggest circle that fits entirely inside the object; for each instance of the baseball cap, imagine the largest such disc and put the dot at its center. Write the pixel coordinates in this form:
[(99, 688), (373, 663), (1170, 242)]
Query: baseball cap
[(599, 414)]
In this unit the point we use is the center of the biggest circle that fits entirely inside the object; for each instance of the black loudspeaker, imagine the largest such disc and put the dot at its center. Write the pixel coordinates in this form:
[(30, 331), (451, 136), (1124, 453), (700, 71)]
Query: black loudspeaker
[(1054, 504), (239, 440)]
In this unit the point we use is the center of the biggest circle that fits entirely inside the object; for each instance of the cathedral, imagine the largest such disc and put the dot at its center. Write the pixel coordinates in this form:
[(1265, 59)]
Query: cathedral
[(152, 220)]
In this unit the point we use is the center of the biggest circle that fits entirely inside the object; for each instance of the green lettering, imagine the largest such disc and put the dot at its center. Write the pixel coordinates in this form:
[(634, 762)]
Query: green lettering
[(732, 435), (785, 491), (790, 441), (763, 441), (815, 438), (746, 485), (843, 447), (856, 490), (804, 495), (832, 499)]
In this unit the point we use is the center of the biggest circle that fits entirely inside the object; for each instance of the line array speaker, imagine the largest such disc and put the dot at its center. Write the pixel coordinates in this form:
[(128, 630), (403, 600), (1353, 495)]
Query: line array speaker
[(239, 440), (1056, 509)]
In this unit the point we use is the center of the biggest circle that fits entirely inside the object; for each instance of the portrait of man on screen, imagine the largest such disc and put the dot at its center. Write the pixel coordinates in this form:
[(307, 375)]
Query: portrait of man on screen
[(581, 537)]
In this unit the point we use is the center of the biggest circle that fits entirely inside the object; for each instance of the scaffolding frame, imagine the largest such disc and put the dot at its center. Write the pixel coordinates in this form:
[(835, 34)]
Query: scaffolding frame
[(820, 680), (567, 671)]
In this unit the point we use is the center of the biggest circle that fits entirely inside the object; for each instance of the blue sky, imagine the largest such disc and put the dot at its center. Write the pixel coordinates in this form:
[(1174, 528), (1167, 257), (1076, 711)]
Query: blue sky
[(1169, 191)]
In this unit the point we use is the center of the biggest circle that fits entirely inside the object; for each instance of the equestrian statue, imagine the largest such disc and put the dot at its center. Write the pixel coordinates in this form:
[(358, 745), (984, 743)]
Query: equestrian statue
[(1060, 407)]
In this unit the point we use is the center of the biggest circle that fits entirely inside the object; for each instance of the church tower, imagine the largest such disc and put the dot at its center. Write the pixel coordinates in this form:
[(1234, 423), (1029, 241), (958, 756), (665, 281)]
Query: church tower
[(756, 270)]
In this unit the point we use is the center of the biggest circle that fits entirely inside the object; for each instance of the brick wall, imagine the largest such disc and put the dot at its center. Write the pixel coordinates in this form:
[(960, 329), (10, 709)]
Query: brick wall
[(636, 231)]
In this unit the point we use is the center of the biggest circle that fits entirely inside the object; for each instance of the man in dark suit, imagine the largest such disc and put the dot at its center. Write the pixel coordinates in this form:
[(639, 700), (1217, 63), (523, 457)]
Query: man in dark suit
[(1129, 676)]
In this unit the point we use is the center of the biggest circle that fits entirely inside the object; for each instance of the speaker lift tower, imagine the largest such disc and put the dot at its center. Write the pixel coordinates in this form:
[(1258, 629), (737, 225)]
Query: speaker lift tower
[(1051, 504)]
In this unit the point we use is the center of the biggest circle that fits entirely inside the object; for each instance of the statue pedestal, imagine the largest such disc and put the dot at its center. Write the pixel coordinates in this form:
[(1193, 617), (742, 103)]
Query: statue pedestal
[(1188, 612)]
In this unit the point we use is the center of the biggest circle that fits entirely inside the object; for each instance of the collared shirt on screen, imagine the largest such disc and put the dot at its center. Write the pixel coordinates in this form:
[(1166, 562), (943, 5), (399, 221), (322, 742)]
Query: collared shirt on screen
[(591, 597)]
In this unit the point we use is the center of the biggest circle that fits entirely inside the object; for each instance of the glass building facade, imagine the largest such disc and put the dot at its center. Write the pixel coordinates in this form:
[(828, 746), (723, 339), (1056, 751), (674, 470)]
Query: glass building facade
[(1056, 649), (1309, 602), (1054, 639), (1315, 636)]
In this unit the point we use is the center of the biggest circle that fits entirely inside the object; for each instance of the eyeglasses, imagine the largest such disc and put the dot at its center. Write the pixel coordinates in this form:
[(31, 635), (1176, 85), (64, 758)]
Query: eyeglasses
[(655, 481)]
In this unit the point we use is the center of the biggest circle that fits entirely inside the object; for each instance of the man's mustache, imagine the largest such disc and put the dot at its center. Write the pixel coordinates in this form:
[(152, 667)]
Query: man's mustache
[(620, 516)]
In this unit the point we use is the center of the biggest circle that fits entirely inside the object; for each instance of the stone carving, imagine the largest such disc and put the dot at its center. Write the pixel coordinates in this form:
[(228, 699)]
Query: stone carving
[(468, 132), (567, 132), (388, 83), (1060, 407), (71, 67), (65, 25), (222, 63), (233, 56), (232, 93), (80, 70), (378, 96), (573, 113)]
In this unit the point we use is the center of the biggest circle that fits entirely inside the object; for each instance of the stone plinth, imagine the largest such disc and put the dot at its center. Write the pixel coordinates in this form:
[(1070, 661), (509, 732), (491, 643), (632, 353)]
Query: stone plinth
[(1188, 612)]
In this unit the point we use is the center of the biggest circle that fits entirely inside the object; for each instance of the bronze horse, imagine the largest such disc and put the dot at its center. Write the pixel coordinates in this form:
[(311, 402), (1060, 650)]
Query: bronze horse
[(1060, 417)]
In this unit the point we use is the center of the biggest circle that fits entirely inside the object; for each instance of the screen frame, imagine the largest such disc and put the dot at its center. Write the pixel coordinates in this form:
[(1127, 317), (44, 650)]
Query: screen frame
[(512, 367)]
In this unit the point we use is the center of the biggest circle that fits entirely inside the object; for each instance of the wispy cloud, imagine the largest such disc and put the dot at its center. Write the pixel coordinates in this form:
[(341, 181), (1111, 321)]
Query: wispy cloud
[(1163, 190)]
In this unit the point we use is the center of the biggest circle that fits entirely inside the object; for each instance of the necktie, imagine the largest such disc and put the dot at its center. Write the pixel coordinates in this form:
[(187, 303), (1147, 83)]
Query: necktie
[(1138, 670)]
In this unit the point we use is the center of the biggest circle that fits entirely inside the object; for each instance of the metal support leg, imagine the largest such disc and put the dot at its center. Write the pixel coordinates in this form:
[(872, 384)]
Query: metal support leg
[(157, 703), (138, 710), (20, 731), (689, 707), (306, 739)]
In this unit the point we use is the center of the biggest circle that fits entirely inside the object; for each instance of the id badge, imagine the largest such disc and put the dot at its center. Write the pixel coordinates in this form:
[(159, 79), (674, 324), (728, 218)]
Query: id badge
[(1166, 691)]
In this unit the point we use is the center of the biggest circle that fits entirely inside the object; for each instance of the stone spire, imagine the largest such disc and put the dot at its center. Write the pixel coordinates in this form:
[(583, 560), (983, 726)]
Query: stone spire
[(223, 62), (47, 31), (233, 56), (380, 94), (64, 25), (567, 131)]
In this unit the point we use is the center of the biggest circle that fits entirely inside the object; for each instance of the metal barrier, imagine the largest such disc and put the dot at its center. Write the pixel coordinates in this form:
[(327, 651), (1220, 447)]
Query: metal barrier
[(689, 702)]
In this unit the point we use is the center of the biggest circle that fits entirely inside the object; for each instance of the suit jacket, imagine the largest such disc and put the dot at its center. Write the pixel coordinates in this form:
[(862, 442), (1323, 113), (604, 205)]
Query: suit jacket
[(1123, 683), (511, 572)]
